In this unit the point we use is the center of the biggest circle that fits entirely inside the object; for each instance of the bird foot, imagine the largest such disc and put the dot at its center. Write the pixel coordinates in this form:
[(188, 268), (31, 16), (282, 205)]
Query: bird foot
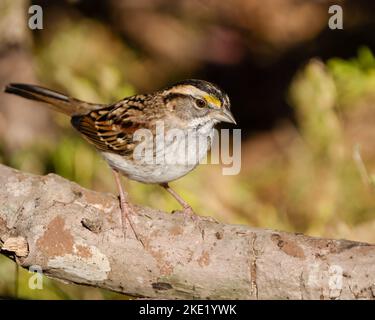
[(189, 214), (126, 213)]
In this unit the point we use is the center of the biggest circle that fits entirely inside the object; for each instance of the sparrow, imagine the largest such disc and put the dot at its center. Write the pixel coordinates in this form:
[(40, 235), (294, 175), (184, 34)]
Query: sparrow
[(191, 106)]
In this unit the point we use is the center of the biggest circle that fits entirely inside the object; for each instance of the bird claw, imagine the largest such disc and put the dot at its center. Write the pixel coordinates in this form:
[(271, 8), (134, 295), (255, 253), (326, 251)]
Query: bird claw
[(189, 214), (126, 212)]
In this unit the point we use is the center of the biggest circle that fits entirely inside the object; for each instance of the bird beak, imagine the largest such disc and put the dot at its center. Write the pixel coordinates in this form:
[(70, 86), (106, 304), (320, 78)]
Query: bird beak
[(225, 115)]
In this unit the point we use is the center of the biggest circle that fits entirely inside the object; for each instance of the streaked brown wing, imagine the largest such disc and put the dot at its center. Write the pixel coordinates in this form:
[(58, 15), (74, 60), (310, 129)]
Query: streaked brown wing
[(111, 128)]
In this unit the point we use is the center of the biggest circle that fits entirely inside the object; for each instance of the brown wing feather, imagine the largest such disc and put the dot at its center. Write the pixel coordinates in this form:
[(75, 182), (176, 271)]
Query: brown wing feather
[(111, 128)]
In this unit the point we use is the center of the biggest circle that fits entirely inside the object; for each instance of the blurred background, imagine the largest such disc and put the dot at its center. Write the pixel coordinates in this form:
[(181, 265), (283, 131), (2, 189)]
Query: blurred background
[(303, 95)]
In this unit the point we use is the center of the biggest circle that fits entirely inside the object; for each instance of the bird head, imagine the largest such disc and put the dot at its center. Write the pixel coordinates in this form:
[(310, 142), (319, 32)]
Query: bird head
[(199, 102)]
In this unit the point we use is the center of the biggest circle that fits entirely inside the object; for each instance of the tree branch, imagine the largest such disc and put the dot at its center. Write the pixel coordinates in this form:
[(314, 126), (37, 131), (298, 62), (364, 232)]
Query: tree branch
[(74, 234)]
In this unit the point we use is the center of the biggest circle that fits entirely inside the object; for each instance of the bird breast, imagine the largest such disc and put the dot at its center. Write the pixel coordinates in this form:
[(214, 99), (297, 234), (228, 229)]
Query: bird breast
[(171, 160)]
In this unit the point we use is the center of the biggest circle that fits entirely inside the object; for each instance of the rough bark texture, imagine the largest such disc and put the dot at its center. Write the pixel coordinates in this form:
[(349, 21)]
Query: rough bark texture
[(74, 234)]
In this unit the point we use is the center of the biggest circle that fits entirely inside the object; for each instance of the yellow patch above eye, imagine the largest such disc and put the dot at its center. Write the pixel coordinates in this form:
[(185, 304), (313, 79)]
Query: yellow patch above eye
[(213, 100)]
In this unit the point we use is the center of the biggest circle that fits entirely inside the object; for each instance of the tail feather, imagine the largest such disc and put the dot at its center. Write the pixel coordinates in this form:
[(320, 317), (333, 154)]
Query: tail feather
[(59, 101)]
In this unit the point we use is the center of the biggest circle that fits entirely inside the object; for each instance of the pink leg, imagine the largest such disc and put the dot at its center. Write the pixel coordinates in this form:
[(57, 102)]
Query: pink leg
[(188, 211), (187, 208), (126, 210)]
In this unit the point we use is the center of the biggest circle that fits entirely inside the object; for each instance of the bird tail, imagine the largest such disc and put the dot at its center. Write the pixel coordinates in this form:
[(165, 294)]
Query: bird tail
[(58, 101)]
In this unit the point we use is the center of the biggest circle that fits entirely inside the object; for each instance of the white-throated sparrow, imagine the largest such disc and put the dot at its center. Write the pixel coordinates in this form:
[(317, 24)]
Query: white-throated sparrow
[(193, 106)]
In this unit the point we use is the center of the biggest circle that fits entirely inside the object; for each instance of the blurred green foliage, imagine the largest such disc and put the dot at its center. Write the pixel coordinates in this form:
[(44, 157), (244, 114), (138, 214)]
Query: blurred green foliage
[(354, 78), (95, 70)]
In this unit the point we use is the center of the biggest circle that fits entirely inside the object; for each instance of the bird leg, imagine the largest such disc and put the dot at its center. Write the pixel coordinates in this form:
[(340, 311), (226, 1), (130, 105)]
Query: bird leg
[(187, 208), (126, 210), (188, 211)]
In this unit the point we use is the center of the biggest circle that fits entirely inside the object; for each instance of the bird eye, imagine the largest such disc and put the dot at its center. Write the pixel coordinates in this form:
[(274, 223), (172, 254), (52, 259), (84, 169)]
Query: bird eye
[(201, 103)]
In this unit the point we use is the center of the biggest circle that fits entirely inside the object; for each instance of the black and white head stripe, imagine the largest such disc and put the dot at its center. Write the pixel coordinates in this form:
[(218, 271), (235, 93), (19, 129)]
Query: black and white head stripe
[(204, 86)]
